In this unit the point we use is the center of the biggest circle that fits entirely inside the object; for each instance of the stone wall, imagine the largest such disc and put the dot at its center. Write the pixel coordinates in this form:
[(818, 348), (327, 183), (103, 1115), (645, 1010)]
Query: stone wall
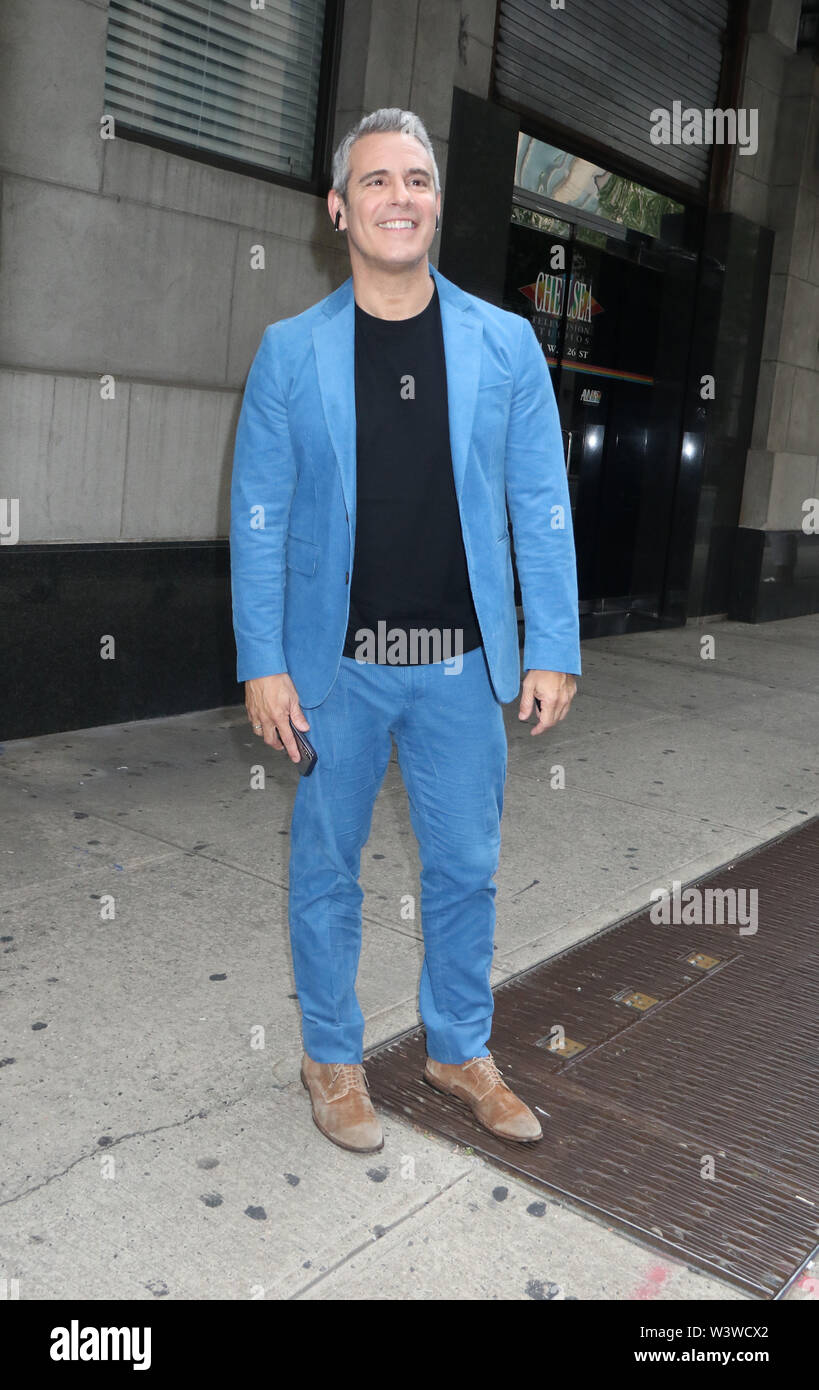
[(118, 258)]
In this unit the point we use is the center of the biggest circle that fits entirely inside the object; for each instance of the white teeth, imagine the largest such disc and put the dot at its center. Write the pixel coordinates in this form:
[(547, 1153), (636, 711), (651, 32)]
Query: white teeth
[(396, 224)]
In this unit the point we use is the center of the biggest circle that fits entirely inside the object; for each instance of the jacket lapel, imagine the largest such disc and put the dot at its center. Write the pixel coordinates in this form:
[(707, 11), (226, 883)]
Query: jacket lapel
[(463, 344), (334, 343)]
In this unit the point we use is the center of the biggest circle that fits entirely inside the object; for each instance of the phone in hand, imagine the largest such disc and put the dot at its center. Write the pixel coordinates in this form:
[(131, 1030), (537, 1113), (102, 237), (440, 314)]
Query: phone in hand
[(309, 756)]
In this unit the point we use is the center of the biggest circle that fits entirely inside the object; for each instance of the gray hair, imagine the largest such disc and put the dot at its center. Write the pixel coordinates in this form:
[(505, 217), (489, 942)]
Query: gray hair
[(386, 118)]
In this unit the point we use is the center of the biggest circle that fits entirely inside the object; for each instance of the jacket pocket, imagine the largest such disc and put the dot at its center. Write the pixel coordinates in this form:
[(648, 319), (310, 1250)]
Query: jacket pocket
[(301, 555)]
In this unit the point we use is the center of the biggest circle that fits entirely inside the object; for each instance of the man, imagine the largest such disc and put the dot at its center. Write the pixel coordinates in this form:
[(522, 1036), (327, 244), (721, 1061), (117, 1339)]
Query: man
[(382, 433)]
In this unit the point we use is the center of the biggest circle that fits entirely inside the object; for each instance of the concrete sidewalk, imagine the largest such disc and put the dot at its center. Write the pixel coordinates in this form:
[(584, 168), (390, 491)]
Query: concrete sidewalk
[(156, 1138)]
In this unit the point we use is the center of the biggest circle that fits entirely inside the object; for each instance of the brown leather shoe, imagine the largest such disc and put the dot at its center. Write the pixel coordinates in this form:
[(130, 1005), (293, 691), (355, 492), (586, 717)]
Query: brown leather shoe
[(493, 1104), (342, 1108)]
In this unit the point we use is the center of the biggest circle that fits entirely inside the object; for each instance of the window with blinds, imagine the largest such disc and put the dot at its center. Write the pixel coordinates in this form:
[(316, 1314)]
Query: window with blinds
[(219, 76)]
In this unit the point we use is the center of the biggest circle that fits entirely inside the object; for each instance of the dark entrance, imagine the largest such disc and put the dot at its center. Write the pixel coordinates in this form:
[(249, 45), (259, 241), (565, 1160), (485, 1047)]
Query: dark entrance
[(613, 313)]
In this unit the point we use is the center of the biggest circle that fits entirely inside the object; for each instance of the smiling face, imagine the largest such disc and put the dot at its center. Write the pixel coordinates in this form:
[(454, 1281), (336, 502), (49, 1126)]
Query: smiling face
[(391, 201)]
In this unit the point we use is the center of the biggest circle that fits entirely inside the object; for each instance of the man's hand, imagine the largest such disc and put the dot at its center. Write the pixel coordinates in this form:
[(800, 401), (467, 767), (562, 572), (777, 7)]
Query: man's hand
[(554, 689), (271, 702)]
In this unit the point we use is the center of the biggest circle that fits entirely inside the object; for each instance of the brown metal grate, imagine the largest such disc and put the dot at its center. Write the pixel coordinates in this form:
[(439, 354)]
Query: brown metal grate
[(691, 1048)]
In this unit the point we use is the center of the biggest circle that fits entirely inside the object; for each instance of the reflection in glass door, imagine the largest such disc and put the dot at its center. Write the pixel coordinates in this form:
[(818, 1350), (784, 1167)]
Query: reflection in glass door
[(612, 314)]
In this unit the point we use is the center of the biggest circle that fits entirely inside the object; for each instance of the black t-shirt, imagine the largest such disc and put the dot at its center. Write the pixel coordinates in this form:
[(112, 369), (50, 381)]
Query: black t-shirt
[(409, 566)]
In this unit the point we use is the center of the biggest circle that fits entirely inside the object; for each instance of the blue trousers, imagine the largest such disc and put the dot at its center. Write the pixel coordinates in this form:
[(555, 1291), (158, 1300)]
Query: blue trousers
[(452, 751)]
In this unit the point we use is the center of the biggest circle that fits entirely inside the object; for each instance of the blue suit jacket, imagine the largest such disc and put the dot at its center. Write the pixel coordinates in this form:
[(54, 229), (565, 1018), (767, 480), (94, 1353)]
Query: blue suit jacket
[(293, 493)]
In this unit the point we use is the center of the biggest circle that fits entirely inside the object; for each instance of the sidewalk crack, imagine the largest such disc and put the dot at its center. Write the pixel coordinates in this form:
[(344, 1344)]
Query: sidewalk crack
[(134, 1134), (385, 1231)]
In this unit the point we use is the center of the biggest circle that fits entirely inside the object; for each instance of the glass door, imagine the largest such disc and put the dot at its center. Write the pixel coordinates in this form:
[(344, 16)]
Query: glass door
[(612, 312)]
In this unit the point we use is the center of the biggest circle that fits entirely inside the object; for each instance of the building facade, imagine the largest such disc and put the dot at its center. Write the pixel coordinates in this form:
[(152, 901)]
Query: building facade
[(164, 174)]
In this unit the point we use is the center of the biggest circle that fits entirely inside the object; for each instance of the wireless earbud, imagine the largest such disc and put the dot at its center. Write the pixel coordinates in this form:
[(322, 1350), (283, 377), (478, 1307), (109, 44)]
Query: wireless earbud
[(338, 218)]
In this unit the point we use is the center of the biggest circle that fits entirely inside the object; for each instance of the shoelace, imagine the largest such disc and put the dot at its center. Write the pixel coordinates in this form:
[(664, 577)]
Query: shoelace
[(488, 1069), (352, 1076)]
